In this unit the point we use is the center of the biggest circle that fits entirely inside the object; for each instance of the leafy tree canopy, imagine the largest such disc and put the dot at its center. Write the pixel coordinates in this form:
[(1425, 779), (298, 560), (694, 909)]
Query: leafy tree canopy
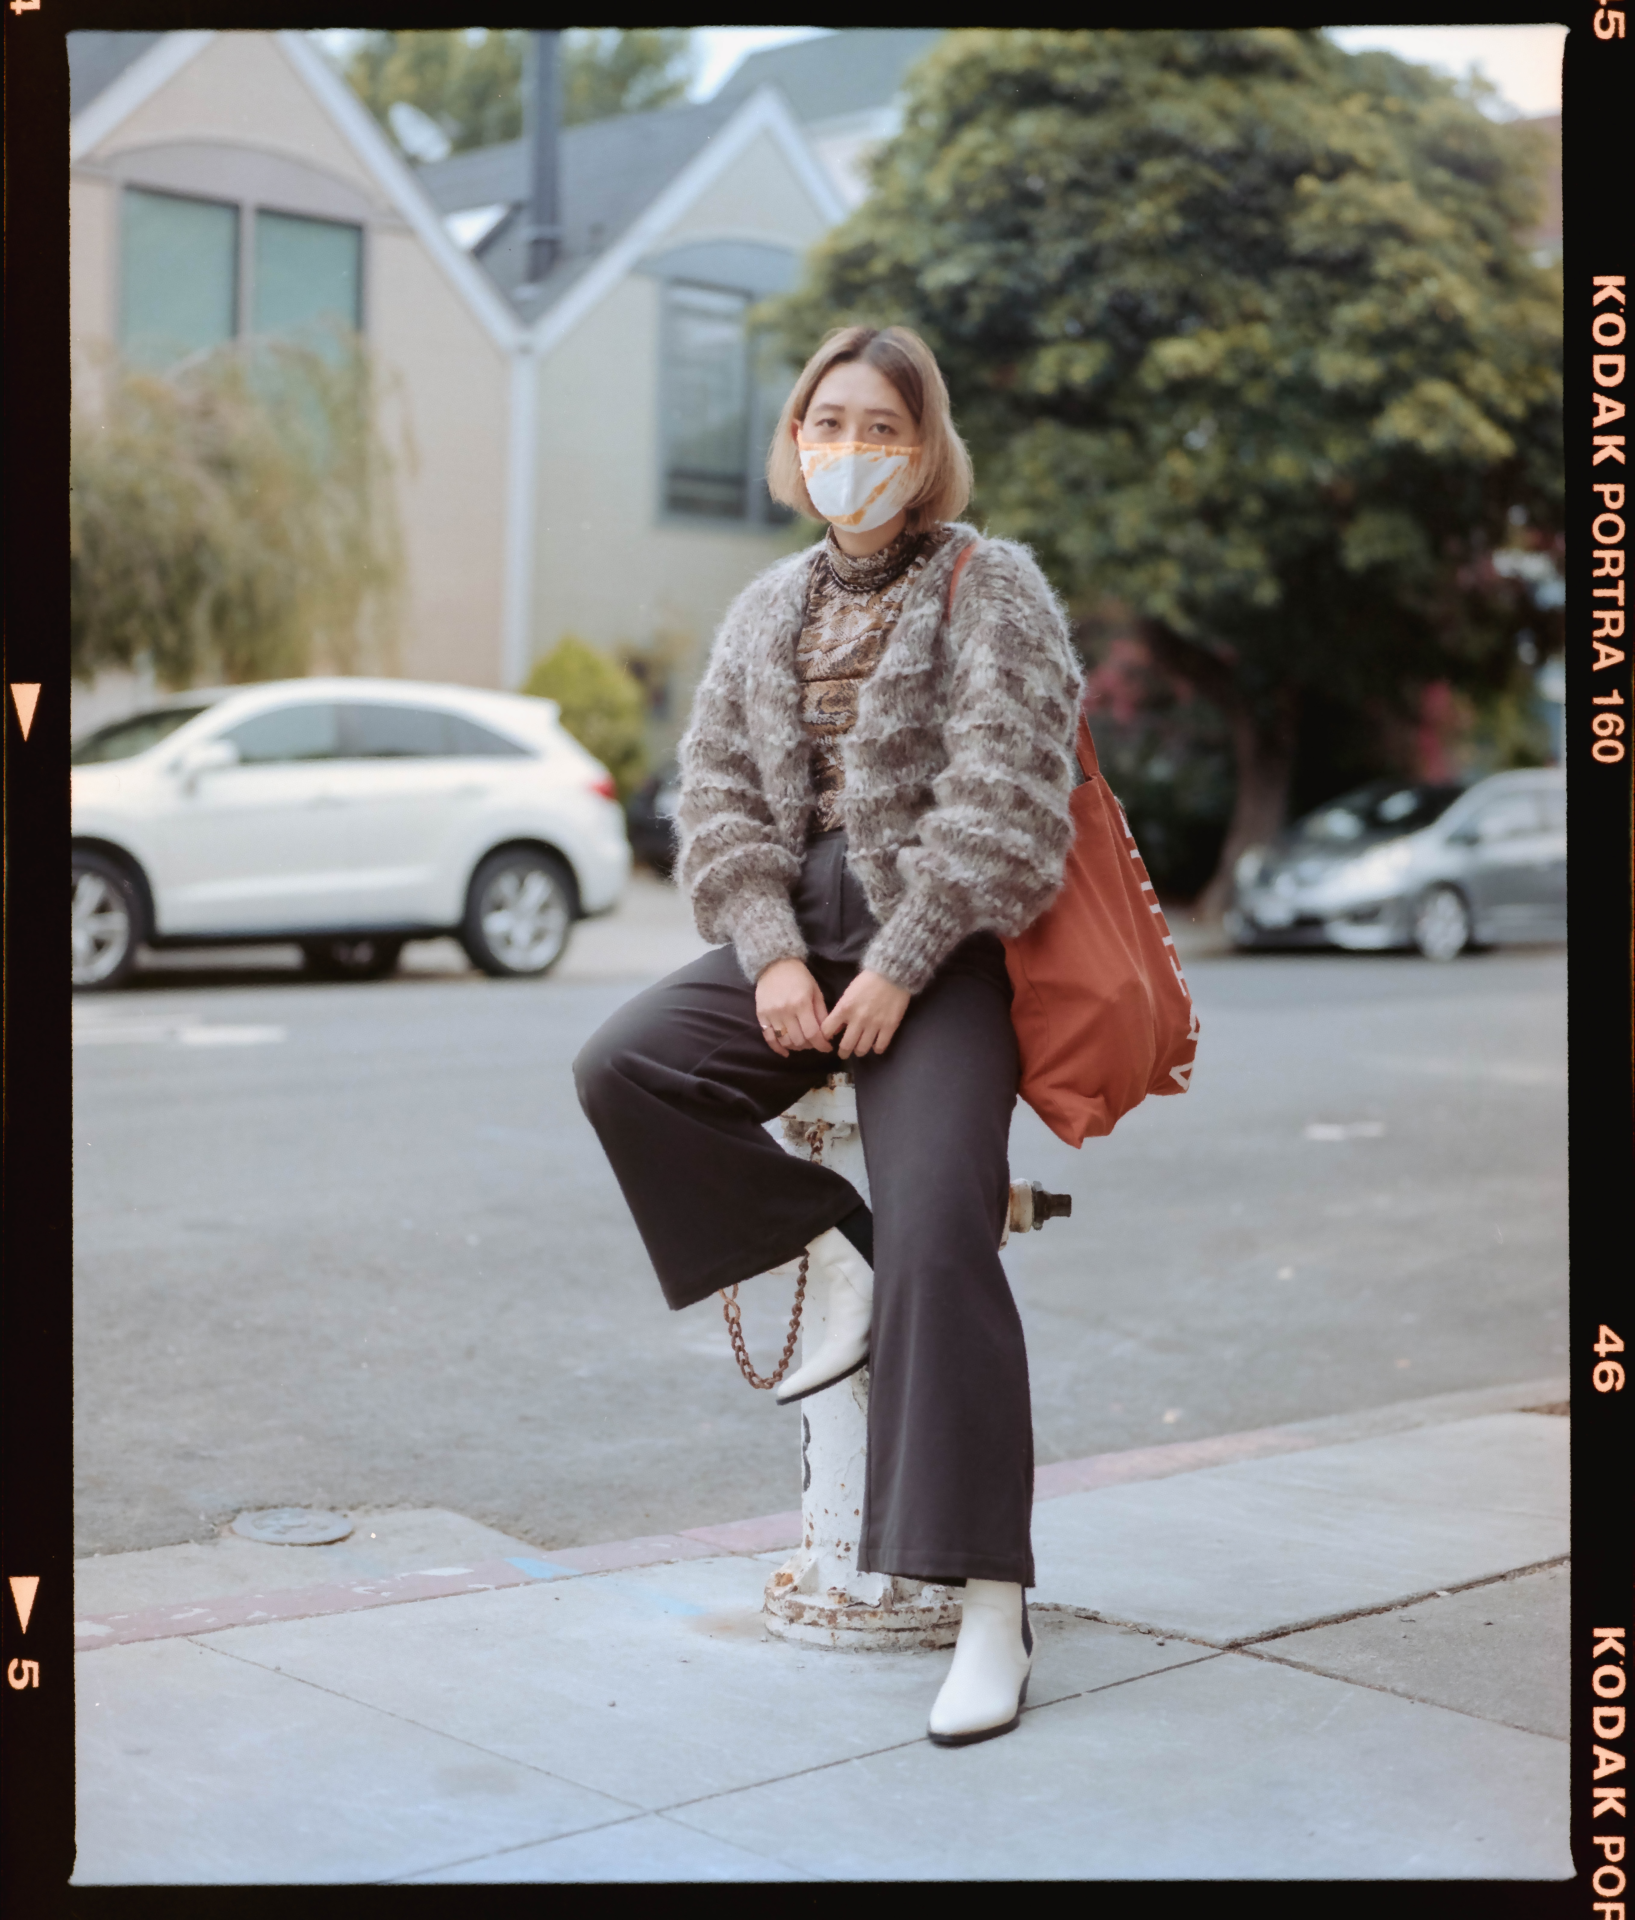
[(1242, 334), (469, 80)]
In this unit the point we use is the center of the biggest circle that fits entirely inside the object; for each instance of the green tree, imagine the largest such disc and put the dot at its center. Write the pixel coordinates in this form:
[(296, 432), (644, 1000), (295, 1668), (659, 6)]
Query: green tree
[(601, 705), (1242, 335), (236, 519), (469, 80)]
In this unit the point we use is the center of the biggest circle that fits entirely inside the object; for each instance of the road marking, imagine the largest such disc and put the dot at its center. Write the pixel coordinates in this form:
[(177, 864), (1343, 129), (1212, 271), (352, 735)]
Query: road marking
[(230, 1036), (1514, 1073), (99, 1033), (1345, 1130)]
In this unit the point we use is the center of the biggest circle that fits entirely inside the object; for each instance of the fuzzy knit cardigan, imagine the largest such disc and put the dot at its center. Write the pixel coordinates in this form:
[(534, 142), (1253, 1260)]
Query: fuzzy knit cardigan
[(958, 769)]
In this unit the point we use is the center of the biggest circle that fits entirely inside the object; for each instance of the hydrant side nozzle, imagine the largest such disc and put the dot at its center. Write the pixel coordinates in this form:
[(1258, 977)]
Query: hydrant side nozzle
[(1050, 1206)]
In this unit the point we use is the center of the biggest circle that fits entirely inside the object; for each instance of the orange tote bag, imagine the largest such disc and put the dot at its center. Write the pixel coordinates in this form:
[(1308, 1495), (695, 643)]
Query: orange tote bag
[(1102, 1011)]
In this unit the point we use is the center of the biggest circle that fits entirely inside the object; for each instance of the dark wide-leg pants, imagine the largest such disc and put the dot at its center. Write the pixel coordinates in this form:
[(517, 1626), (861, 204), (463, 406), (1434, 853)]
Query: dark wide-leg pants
[(679, 1084)]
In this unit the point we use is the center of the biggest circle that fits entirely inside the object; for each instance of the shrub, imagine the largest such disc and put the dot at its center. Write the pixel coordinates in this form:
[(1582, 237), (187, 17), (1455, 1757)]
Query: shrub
[(235, 519), (602, 707)]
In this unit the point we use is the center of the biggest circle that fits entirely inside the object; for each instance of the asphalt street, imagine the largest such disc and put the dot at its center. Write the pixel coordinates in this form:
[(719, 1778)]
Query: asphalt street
[(355, 1245)]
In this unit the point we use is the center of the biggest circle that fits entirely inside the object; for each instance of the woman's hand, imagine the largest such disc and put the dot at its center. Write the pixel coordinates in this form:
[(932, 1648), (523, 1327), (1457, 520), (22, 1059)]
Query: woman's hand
[(789, 1006), (867, 1014)]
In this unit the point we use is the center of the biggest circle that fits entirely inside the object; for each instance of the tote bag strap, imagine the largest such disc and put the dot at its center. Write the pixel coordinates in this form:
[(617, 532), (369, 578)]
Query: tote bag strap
[(960, 559), (1088, 762)]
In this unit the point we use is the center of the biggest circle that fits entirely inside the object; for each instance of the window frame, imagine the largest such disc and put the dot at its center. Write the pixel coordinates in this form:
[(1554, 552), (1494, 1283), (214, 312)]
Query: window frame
[(239, 212), (247, 211), (761, 514), (256, 208), (506, 747), (293, 704)]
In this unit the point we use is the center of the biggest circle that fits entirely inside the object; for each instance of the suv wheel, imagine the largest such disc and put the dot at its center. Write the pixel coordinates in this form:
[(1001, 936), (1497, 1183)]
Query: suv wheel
[(369, 958), (1442, 925), (106, 923), (518, 914)]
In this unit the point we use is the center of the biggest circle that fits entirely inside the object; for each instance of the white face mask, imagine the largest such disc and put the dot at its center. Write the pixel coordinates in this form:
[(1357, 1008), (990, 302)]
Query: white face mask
[(858, 485)]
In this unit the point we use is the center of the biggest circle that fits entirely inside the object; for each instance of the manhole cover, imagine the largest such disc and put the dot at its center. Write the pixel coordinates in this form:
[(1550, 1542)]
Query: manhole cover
[(293, 1527)]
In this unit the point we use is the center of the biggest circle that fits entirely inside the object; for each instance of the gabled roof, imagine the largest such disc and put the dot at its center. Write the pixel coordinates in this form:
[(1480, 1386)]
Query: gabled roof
[(833, 74), (127, 76), (611, 171), (624, 181)]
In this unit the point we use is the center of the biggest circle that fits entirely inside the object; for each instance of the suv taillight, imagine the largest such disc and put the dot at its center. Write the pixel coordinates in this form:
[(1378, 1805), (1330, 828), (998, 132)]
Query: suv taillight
[(604, 786)]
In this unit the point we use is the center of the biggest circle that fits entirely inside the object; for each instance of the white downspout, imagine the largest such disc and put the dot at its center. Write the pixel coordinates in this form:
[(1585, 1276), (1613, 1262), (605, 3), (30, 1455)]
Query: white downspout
[(521, 480)]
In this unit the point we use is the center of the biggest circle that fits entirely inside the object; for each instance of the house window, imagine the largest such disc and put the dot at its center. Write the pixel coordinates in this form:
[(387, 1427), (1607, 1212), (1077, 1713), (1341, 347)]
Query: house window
[(178, 276), (182, 264), (307, 274), (722, 396)]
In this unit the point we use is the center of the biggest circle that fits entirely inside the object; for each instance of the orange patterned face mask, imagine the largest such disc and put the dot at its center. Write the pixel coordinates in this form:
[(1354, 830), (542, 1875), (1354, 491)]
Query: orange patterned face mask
[(858, 485)]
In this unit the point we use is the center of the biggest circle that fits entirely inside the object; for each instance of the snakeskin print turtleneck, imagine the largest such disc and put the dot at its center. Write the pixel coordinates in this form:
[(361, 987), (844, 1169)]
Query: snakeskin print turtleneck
[(851, 607)]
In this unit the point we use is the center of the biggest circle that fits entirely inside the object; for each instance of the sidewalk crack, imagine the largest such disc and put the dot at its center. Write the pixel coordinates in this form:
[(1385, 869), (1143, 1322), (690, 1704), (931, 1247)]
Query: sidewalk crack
[(1396, 1693), (902, 1746), (1251, 1640), (440, 1733), (498, 1853)]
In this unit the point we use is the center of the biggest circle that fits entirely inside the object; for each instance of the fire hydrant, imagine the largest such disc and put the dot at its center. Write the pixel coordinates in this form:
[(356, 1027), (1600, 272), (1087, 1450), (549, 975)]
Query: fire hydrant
[(818, 1595)]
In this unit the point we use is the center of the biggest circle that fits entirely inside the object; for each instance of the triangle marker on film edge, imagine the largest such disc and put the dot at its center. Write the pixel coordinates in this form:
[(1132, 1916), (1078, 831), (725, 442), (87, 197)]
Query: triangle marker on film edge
[(26, 693), (24, 1586)]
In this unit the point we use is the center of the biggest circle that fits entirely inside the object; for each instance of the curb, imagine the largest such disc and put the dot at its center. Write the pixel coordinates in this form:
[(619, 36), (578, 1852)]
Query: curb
[(769, 1533)]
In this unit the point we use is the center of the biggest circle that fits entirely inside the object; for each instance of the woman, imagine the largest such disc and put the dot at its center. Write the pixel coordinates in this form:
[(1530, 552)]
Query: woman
[(874, 788)]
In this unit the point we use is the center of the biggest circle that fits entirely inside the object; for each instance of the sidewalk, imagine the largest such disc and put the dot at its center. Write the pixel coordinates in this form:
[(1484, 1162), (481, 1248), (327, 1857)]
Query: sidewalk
[(1335, 1650)]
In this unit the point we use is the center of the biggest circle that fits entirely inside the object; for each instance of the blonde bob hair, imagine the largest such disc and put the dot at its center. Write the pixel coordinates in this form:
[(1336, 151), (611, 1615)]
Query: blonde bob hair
[(907, 362)]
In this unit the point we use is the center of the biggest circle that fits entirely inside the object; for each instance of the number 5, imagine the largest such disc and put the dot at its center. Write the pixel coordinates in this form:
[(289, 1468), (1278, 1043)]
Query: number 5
[(1608, 25)]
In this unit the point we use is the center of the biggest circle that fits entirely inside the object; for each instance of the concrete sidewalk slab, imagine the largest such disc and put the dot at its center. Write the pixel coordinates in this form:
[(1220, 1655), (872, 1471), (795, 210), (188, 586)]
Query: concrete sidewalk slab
[(650, 1689), (199, 1768), (639, 1724), (1226, 1768), (1266, 1545), (653, 1847), (1499, 1651)]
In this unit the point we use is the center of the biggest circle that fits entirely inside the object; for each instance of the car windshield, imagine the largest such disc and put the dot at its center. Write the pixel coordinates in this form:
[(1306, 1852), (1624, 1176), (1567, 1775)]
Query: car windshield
[(1382, 809), (126, 738)]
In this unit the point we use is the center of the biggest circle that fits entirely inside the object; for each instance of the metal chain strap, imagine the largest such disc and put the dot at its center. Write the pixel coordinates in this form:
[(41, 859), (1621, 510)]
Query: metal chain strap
[(732, 1313)]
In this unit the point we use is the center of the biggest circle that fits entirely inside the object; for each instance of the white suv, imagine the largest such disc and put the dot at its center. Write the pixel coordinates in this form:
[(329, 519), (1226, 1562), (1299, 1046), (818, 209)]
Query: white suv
[(348, 815)]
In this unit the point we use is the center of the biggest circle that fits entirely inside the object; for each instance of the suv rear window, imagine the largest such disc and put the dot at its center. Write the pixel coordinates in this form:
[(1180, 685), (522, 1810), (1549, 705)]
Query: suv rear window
[(124, 739), (371, 731), (304, 730)]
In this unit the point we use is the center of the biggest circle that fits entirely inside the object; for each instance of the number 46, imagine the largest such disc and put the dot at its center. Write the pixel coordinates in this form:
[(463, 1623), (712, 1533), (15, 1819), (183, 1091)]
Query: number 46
[(1608, 1377)]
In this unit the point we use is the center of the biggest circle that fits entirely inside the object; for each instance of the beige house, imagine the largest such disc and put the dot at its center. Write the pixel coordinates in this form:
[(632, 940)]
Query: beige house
[(585, 412)]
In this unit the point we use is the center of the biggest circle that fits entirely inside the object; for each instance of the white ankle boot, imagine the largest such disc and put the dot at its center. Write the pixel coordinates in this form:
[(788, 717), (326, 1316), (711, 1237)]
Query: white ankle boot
[(988, 1681), (844, 1284)]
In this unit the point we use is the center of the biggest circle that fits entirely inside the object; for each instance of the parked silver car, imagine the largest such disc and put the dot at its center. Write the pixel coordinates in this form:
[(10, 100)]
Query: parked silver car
[(1395, 864)]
